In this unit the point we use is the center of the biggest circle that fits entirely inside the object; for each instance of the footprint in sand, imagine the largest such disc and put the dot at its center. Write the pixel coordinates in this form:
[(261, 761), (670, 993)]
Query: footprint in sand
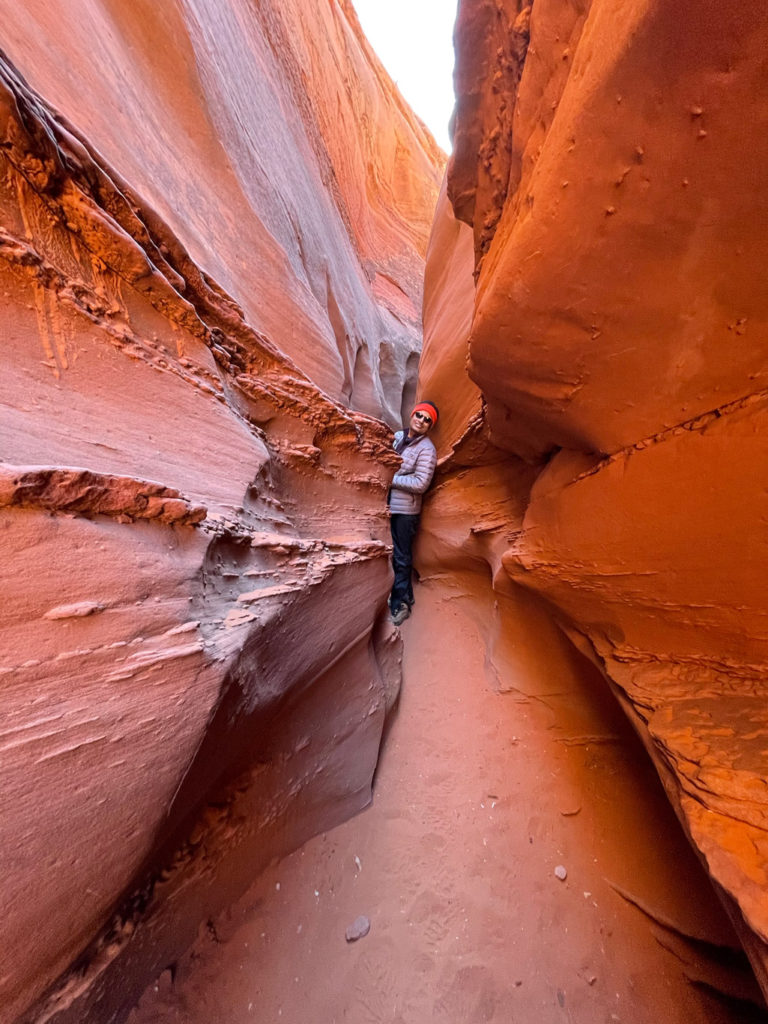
[(471, 996), (377, 991), (433, 914)]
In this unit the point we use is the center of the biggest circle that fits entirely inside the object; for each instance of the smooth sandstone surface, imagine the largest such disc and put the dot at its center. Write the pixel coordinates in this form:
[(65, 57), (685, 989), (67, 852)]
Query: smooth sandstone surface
[(448, 299), (621, 287), (212, 226), (211, 243), (609, 161), (271, 142)]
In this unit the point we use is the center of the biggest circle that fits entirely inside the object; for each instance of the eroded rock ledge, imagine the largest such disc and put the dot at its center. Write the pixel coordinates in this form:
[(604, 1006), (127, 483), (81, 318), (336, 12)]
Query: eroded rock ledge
[(194, 678), (610, 165)]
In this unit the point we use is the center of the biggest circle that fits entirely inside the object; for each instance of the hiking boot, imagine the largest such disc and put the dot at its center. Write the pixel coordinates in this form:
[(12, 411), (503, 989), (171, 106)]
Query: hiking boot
[(400, 614)]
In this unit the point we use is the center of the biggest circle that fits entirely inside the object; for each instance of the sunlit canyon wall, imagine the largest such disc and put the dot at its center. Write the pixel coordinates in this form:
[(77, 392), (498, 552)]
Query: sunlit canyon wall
[(607, 450), (213, 219), (212, 224)]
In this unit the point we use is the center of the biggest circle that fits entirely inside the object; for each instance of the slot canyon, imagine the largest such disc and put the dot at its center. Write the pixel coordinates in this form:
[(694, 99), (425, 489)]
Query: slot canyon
[(231, 259)]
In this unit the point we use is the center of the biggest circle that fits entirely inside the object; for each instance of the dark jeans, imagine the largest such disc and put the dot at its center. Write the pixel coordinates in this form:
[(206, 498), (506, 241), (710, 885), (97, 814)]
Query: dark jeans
[(404, 530)]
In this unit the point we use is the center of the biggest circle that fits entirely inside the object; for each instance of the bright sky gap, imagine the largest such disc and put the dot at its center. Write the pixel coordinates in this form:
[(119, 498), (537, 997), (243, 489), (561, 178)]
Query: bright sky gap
[(414, 41)]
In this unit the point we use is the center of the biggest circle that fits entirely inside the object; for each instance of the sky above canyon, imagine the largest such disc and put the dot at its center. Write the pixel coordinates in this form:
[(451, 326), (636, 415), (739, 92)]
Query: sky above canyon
[(414, 41)]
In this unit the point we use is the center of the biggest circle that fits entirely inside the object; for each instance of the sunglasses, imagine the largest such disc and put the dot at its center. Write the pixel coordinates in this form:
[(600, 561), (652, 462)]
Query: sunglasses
[(422, 416)]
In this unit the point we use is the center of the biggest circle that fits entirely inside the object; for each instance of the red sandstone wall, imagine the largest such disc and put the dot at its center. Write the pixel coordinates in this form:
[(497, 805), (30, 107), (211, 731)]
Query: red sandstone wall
[(200, 253), (272, 143), (610, 161)]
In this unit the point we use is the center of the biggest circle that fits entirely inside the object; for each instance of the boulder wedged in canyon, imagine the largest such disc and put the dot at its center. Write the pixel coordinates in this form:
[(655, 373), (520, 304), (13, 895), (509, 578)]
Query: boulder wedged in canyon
[(610, 164), (203, 261)]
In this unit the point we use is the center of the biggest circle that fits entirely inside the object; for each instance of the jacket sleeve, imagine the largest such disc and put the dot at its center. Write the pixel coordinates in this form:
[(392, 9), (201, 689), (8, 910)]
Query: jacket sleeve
[(419, 480)]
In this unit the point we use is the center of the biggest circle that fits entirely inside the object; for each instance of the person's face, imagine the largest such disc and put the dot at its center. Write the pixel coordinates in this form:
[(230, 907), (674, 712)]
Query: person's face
[(420, 423)]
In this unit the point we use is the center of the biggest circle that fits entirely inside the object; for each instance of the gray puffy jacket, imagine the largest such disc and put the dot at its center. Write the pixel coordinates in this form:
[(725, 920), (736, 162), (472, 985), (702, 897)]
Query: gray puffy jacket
[(413, 477)]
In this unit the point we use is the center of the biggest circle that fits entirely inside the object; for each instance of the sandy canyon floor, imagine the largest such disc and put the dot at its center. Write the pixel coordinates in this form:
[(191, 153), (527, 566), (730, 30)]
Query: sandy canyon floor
[(479, 797)]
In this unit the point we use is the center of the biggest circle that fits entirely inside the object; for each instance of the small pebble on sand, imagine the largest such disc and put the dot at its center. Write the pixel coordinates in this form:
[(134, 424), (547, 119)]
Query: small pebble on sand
[(561, 873), (358, 929)]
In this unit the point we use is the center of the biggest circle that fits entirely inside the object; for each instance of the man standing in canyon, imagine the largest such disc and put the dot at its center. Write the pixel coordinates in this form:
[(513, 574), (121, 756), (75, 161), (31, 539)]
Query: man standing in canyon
[(408, 485)]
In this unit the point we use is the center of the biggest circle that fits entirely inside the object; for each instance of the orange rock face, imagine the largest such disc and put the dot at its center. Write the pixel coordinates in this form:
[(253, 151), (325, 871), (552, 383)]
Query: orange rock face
[(240, 108), (448, 296), (213, 218), (610, 161), (212, 225)]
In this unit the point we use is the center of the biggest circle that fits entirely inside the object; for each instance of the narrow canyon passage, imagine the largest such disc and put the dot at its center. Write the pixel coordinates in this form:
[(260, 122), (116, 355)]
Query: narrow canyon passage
[(231, 257), (479, 797)]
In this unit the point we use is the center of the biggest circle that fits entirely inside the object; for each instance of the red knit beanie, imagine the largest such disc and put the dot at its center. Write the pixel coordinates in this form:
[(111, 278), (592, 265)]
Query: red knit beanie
[(429, 408)]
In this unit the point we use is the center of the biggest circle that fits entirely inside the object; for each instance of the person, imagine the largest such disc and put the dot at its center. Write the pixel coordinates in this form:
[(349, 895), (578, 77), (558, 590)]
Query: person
[(408, 485)]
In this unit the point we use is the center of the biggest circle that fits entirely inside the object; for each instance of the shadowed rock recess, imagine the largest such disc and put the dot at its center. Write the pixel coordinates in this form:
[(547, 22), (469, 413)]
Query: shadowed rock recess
[(215, 253)]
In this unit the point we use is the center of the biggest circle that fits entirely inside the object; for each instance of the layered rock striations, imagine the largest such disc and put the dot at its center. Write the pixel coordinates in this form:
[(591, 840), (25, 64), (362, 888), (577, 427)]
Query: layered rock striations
[(270, 141), (609, 167), (204, 263)]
